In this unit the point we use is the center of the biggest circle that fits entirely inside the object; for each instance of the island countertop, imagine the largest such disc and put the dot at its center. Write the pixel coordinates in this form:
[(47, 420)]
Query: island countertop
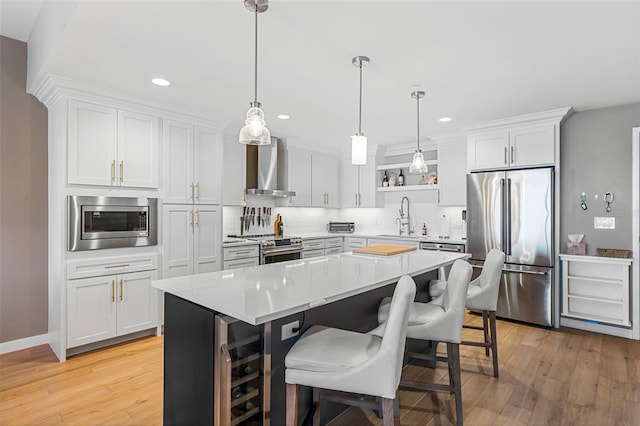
[(264, 293)]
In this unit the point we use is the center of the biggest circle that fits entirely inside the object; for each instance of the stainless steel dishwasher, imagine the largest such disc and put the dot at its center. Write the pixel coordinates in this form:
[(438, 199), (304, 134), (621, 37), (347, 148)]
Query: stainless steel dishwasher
[(450, 247)]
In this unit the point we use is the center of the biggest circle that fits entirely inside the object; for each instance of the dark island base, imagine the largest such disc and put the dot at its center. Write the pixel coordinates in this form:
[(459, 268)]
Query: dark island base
[(189, 353)]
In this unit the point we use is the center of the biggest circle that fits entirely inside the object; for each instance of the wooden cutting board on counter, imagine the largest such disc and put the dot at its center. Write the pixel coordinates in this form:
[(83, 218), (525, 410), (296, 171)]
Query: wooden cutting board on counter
[(384, 249)]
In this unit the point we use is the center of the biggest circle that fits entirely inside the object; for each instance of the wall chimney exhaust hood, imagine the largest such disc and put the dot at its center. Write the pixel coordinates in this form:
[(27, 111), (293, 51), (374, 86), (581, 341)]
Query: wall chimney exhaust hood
[(266, 170)]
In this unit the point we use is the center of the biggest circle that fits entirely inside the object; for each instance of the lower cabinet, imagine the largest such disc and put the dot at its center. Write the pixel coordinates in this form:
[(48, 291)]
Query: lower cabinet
[(100, 308), (354, 242), (191, 237), (241, 256)]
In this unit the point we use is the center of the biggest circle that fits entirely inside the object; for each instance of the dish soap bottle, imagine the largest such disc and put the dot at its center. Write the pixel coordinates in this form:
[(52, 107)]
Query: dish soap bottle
[(424, 229)]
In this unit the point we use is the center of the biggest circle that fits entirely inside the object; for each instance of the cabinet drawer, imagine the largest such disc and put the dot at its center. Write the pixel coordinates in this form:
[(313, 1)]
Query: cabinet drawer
[(355, 242), (241, 252), (312, 244), (241, 263), (333, 242), (312, 253), (333, 250), (111, 265)]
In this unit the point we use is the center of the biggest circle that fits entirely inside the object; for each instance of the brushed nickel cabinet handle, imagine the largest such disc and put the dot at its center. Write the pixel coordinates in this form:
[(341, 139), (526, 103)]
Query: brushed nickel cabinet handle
[(512, 154), (192, 196), (113, 291), (121, 171), (198, 191), (198, 217), (120, 265), (191, 215), (505, 155), (121, 290), (113, 171)]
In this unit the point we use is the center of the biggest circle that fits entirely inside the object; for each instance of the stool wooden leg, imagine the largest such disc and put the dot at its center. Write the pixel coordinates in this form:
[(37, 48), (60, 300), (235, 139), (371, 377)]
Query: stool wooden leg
[(453, 355), (387, 411), (292, 405), (316, 402), (396, 408), (485, 327), (433, 352), (494, 342)]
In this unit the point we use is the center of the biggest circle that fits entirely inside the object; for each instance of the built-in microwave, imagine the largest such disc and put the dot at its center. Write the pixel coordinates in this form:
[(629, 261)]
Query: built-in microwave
[(111, 222)]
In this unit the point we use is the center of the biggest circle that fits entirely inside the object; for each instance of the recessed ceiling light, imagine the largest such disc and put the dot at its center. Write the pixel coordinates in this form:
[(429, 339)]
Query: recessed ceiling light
[(283, 116), (161, 82), (444, 119)]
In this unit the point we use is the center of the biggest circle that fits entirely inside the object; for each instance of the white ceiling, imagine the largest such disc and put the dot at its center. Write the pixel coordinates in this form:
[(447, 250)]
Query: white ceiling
[(476, 60)]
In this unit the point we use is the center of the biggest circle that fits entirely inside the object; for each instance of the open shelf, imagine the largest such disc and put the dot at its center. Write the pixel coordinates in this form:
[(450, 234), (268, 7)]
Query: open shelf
[(407, 188), (403, 165)]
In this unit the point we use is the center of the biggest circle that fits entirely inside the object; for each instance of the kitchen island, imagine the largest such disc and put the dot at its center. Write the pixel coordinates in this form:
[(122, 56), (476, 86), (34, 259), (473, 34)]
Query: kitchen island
[(341, 290)]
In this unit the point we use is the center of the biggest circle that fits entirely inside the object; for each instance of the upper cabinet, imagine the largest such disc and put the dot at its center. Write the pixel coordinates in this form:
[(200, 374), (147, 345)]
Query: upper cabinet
[(112, 147), (192, 163), (519, 147), (299, 177), (359, 184), (452, 175), (524, 141), (324, 181), (234, 171)]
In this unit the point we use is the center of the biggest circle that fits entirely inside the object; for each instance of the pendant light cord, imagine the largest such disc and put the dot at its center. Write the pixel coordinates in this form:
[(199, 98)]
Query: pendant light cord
[(255, 68), (360, 103), (418, 120)]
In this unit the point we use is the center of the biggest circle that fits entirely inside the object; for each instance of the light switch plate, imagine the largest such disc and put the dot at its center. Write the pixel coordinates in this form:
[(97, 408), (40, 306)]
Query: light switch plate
[(604, 223)]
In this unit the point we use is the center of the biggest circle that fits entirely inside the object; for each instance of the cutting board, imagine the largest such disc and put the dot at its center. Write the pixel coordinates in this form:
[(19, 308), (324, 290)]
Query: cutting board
[(384, 249)]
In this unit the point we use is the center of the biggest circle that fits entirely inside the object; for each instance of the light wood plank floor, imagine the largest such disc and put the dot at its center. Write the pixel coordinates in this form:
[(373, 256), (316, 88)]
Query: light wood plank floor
[(556, 377)]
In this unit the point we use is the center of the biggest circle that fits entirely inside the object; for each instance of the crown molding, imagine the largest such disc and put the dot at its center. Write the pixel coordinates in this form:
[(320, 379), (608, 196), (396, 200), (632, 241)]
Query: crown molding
[(554, 116), (52, 88)]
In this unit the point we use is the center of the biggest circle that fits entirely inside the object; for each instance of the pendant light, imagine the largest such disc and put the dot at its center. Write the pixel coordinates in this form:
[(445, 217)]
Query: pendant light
[(418, 164), (359, 140), (254, 131)]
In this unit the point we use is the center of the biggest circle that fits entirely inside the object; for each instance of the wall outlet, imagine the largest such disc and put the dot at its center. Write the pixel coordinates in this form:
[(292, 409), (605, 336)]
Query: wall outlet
[(287, 330), (604, 223)]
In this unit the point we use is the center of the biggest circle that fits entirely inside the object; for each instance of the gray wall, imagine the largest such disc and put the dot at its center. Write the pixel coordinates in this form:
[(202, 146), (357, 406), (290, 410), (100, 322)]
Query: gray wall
[(595, 158), (23, 200)]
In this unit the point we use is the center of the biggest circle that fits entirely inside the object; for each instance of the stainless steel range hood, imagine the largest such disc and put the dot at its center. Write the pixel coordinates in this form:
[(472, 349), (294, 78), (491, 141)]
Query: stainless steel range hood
[(266, 170)]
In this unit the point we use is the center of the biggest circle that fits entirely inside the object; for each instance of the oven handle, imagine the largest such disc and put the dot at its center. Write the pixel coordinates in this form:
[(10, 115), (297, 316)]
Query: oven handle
[(287, 250)]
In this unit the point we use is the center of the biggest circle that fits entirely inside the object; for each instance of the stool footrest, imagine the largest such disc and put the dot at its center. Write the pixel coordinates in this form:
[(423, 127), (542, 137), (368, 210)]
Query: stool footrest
[(473, 327), (479, 344), (425, 357), (362, 402), (426, 386)]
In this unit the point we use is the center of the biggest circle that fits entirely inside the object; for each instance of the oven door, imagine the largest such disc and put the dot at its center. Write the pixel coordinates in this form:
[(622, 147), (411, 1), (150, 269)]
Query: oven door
[(280, 256)]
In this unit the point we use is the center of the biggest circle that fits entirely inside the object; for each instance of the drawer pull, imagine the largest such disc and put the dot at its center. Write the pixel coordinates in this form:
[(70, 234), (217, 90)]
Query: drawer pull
[(243, 252), (122, 265)]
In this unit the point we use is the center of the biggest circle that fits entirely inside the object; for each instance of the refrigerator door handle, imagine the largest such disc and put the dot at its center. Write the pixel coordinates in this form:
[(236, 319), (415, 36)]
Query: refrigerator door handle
[(503, 234), (507, 222), (515, 271)]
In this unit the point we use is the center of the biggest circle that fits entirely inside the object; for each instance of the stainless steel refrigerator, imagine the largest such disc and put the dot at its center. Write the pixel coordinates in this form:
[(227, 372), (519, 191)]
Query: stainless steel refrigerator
[(513, 211)]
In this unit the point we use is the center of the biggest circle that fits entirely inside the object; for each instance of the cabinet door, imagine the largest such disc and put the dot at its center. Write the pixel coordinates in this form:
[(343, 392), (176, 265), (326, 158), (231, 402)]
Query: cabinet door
[(452, 174), (533, 146), (299, 177), (207, 239), (318, 191), (138, 148), (91, 310), (207, 165), (234, 169), (349, 184), (137, 302), (369, 195), (488, 151), (331, 178), (92, 144), (177, 240), (177, 163)]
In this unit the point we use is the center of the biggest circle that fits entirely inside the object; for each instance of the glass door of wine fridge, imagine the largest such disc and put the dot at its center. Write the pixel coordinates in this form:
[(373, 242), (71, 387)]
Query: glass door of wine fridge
[(242, 382)]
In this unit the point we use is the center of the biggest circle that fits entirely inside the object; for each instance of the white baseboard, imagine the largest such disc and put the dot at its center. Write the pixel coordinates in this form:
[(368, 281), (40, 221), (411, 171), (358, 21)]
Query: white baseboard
[(27, 342)]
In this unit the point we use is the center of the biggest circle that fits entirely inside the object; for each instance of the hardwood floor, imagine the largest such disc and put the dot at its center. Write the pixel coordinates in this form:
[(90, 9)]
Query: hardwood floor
[(556, 377)]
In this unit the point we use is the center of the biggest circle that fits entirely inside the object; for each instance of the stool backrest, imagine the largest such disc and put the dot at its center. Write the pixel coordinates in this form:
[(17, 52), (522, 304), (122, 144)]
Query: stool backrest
[(395, 332), (489, 281), (454, 297)]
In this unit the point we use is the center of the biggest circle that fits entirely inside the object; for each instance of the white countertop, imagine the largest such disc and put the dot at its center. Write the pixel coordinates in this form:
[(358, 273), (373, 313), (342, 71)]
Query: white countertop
[(264, 293), (412, 238)]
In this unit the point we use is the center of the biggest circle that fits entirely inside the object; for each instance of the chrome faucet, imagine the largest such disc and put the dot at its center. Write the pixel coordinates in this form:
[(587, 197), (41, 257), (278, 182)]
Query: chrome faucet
[(405, 219)]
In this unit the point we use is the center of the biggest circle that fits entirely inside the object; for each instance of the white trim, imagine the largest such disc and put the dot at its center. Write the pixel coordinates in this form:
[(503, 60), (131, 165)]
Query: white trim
[(556, 116), (596, 327), (26, 343), (635, 281)]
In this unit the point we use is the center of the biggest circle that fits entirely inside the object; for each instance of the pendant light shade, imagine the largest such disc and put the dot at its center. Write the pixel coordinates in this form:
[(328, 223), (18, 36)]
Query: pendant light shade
[(418, 165), (255, 131), (359, 140)]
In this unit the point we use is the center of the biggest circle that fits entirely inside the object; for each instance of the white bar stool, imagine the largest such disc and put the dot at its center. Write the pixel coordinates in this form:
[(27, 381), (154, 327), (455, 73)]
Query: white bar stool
[(440, 320), (482, 296), (346, 361)]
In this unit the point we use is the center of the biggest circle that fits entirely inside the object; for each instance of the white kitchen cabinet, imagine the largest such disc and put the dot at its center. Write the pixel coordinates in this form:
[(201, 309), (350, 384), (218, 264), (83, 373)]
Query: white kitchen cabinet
[(103, 307), (354, 242), (359, 184), (299, 177), (234, 171), (241, 256), (192, 162), (324, 181), (452, 174), (191, 239), (596, 289), (512, 147), (112, 147)]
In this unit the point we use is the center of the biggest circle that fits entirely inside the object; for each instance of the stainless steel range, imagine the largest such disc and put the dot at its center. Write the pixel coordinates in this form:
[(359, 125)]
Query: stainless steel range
[(276, 249)]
